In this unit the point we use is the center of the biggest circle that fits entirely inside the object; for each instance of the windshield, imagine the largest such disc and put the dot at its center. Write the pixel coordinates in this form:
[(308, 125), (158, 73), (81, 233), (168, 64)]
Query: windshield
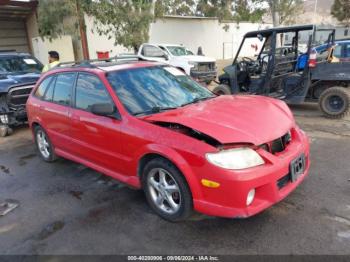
[(153, 89), (177, 50), (19, 64)]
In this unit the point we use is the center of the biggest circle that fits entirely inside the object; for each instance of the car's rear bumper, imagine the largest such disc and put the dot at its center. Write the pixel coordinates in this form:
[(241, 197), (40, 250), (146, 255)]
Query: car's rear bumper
[(229, 199)]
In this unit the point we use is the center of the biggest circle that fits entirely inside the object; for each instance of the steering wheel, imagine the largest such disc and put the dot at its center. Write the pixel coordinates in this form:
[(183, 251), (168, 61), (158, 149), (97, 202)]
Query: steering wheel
[(245, 63), (247, 59)]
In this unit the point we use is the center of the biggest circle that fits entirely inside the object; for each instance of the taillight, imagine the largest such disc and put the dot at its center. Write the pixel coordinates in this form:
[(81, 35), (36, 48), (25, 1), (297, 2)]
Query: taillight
[(312, 58)]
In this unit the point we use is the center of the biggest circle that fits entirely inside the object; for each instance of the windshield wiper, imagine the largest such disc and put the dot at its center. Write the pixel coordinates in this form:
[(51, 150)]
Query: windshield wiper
[(153, 110), (198, 99)]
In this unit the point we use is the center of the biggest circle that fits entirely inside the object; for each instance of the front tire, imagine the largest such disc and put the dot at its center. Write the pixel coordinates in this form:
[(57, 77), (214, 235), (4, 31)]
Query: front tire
[(166, 190), (44, 145), (222, 90), (335, 102)]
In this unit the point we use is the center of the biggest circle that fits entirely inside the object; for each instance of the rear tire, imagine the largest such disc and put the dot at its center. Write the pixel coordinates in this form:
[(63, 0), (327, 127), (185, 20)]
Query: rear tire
[(335, 102), (166, 190), (222, 89), (44, 145)]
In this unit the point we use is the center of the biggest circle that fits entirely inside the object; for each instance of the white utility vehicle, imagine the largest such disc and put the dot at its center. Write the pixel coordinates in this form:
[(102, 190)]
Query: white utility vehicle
[(199, 67)]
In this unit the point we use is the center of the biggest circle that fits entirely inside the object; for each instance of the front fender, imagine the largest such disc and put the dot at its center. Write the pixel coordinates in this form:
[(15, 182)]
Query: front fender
[(177, 159)]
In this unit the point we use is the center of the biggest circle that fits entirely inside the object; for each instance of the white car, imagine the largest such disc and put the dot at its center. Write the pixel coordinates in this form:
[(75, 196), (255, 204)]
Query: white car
[(201, 68)]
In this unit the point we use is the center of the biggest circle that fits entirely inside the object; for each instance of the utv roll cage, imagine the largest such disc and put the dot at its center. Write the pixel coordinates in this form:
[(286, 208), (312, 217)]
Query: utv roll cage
[(288, 71)]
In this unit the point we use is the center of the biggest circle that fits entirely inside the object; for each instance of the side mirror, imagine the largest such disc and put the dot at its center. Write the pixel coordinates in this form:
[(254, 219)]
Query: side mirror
[(103, 109)]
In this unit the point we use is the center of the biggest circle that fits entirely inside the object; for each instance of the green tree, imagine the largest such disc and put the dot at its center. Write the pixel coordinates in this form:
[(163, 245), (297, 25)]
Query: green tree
[(237, 10), (340, 10), (126, 22), (248, 10), (175, 7), (285, 11), (51, 17)]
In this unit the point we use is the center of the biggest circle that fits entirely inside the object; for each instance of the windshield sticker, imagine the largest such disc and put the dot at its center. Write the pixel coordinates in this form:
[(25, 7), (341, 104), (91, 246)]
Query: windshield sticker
[(29, 61), (174, 71)]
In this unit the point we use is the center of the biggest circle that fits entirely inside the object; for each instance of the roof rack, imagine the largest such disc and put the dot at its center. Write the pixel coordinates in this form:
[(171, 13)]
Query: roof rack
[(93, 63)]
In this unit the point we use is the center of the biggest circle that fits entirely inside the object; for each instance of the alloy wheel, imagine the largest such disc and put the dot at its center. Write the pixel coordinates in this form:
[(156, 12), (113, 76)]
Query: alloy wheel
[(164, 191), (43, 144)]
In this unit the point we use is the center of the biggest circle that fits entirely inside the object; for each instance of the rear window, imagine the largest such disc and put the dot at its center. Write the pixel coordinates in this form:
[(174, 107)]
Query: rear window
[(63, 88), (40, 91)]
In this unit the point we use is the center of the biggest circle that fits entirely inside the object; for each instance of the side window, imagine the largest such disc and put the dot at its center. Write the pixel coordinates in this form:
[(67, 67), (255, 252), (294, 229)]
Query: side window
[(40, 91), (338, 51), (90, 90), (152, 51), (347, 50), (63, 88), (49, 91)]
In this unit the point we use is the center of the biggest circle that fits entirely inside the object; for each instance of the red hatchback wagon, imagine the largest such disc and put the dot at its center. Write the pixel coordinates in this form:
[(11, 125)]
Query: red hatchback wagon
[(150, 126)]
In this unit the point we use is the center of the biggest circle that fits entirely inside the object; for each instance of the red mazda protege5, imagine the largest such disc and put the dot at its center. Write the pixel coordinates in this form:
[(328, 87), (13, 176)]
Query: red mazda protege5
[(150, 126)]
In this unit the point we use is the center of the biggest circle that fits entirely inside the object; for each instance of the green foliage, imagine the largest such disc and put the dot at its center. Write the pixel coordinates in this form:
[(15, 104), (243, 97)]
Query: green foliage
[(285, 11), (175, 7), (60, 17), (51, 14), (127, 22), (248, 10), (238, 10), (340, 10)]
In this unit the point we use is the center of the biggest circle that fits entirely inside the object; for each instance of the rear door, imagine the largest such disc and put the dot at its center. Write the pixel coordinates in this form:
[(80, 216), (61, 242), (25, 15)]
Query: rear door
[(57, 110), (95, 138)]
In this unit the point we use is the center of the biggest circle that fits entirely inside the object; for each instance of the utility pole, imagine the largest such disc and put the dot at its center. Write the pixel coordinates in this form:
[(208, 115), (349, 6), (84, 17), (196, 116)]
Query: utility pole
[(84, 44)]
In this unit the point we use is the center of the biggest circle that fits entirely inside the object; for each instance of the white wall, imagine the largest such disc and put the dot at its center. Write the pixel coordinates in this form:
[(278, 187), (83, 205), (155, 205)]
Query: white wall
[(62, 45), (207, 33), (191, 32)]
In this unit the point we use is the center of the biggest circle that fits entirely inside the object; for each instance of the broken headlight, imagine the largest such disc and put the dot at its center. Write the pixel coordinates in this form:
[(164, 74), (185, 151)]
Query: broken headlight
[(236, 158)]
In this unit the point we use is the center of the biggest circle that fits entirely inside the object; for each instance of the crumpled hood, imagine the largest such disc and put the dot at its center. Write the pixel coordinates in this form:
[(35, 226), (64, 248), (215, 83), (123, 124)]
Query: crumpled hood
[(234, 119), (9, 80)]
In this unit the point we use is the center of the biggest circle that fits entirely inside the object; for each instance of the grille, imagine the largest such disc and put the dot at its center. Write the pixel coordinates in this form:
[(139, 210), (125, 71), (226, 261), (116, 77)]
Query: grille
[(206, 66), (278, 145), (17, 96)]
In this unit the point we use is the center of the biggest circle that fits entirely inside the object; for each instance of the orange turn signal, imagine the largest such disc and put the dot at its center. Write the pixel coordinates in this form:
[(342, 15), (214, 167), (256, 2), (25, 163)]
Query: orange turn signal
[(209, 183)]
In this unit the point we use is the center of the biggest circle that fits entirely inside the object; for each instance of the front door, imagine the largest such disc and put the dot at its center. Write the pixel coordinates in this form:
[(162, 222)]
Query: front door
[(95, 139)]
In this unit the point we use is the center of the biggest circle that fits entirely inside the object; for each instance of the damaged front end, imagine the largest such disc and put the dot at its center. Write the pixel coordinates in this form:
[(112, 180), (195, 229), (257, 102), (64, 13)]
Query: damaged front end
[(189, 132), (13, 107)]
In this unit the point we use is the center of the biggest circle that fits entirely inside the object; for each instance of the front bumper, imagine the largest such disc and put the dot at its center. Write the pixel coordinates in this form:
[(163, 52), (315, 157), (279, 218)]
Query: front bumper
[(13, 117), (203, 76), (229, 200)]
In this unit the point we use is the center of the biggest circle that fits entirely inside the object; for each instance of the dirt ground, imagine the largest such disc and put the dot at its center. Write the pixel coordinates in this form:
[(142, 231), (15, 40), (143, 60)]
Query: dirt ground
[(66, 208)]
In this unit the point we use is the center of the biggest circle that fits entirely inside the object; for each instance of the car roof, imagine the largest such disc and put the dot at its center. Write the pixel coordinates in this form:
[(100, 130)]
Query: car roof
[(102, 66)]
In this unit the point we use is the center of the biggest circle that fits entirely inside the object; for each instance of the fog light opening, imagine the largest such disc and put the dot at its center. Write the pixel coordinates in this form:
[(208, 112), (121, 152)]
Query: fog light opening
[(250, 196)]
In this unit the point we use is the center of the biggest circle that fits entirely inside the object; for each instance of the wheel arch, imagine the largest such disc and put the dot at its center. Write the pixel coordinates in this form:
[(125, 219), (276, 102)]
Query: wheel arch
[(177, 160)]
